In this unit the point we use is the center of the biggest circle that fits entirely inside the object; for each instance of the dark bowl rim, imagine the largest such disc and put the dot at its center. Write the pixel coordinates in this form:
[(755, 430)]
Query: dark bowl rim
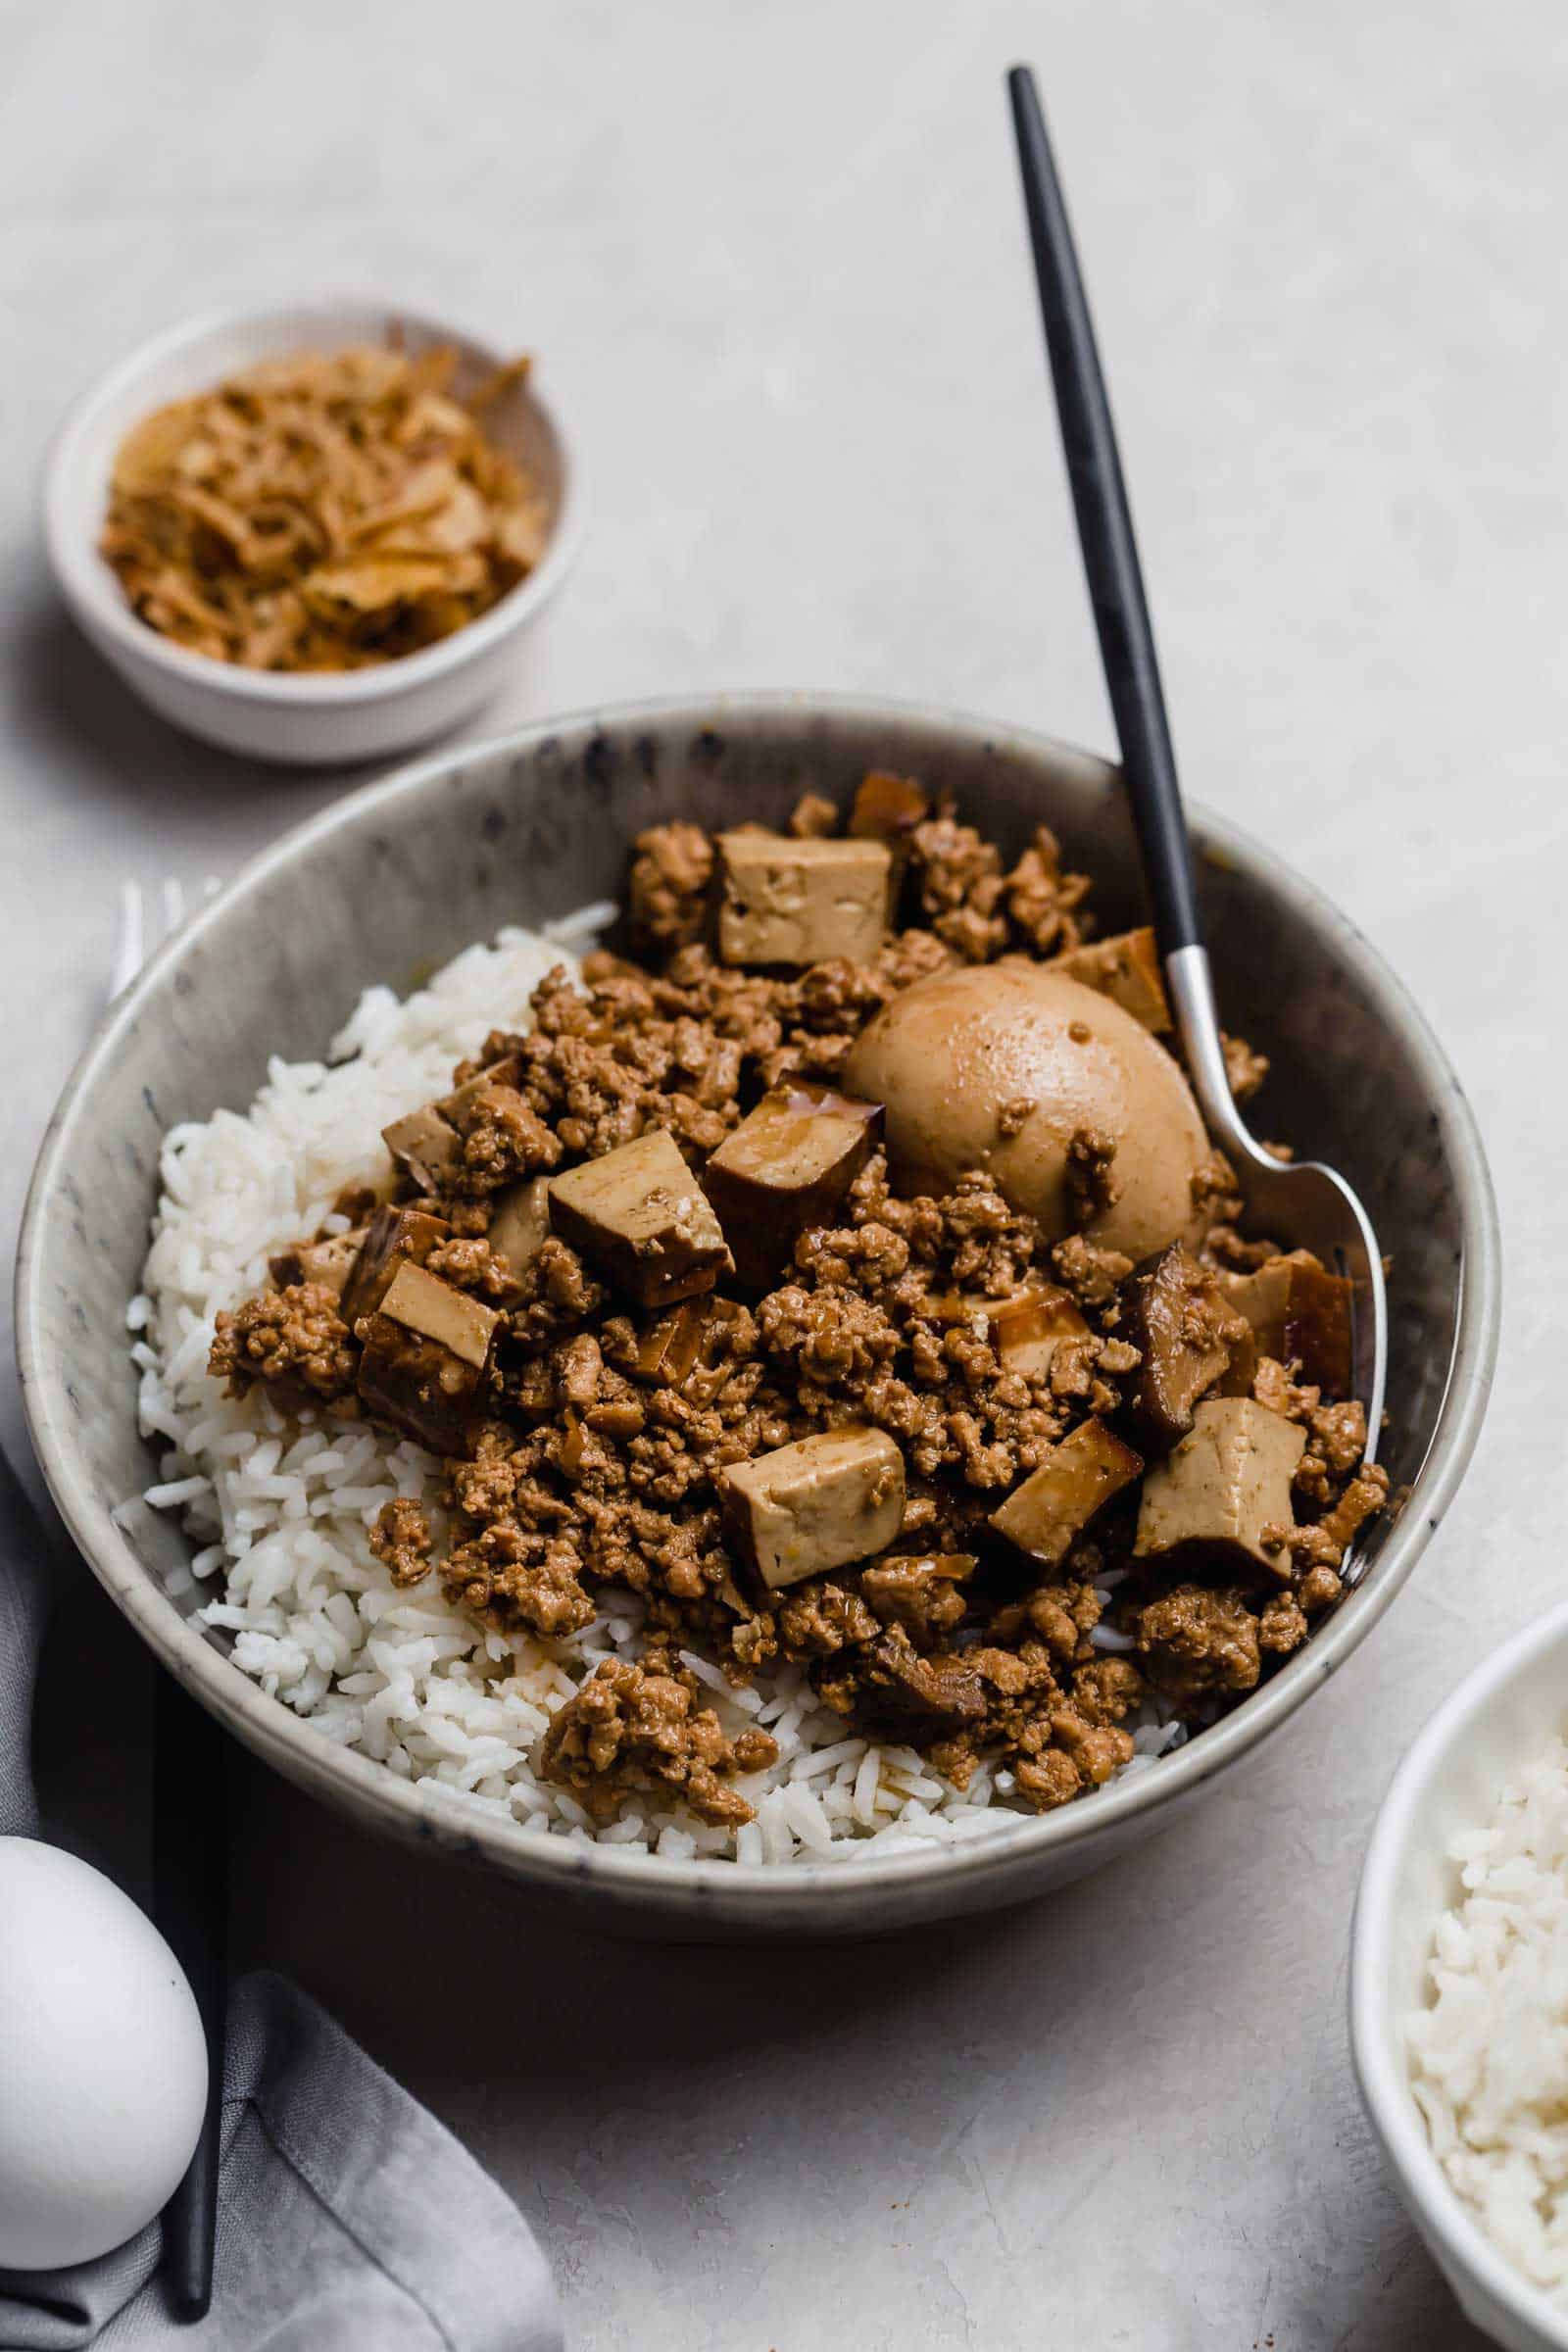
[(802, 1893)]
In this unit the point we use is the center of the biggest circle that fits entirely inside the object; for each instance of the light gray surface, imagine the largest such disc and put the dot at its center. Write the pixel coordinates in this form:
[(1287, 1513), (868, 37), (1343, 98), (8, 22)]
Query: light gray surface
[(773, 263)]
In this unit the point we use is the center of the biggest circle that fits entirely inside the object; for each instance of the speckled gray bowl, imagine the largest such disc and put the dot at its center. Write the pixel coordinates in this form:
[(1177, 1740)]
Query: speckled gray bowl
[(404, 873)]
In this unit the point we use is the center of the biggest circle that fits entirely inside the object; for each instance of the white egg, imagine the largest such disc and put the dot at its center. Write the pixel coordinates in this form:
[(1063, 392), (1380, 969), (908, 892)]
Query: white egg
[(103, 2063)]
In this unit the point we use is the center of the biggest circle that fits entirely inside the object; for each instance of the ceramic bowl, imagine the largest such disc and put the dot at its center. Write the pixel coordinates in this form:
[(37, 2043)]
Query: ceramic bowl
[(295, 719), (404, 873), (1501, 1716)]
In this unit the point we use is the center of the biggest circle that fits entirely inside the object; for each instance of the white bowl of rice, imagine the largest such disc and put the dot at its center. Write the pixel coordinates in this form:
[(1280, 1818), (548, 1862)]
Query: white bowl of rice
[(1460, 1987)]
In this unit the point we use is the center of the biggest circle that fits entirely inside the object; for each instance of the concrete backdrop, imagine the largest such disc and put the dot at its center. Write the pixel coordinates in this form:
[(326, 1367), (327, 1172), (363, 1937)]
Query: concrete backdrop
[(772, 260)]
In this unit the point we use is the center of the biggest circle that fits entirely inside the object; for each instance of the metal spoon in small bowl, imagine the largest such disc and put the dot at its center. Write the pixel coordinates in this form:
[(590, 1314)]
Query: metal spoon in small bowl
[(1308, 1206)]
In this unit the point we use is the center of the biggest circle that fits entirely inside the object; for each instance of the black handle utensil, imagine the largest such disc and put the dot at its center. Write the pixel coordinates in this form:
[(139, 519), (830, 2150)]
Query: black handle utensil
[(190, 1903), (1106, 533), (1306, 1203)]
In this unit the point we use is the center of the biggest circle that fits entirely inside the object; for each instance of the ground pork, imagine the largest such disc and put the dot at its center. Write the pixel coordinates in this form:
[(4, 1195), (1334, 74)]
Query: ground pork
[(637, 1726), (1197, 1642), (401, 1537), (294, 1340), (670, 872)]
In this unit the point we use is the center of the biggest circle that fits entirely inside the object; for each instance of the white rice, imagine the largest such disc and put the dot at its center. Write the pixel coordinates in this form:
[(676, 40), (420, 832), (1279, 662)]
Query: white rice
[(281, 1508), (1489, 2056)]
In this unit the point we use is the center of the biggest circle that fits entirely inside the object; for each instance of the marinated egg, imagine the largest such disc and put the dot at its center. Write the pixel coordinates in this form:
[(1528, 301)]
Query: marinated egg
[(999, 1065)]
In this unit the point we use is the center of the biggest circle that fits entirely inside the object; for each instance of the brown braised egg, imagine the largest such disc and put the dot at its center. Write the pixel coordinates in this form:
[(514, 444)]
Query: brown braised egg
[(1062, 1096)]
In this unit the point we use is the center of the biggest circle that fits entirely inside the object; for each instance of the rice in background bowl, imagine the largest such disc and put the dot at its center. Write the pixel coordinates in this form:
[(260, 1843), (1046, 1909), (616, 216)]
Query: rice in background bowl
[(1498, 1730), (1489, 2056)]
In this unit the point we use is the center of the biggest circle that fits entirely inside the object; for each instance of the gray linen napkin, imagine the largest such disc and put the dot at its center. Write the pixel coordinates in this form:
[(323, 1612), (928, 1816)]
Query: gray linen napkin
[(348, 2217)]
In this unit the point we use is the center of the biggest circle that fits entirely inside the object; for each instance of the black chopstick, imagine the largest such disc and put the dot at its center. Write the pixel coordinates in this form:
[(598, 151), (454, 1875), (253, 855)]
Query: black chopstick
[(190, 1903), (1106, 533)]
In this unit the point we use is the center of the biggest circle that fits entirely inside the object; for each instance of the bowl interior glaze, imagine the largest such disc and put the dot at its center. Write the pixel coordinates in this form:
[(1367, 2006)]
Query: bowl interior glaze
[(399, 876)]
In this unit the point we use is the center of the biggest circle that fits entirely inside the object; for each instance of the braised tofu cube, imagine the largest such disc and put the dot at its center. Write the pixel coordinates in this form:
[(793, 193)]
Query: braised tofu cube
[(425, 1145), (1056, 1502), (332, 1261), (786, 1168), (455, 1105), (1297, 1309), (1262, 1297), (328, 1264), (1026, 1330), (426, 1360), (436, 1312), (1226, 1490), (1319, 1325), (1125, 968), (970, 1308), (520, 1222), (799, 902), (640, 1215), (888, 808), (460, 1107), (418, 1387), (394, 1236), (428, 1143), (1173, 1312), (817, 1505)]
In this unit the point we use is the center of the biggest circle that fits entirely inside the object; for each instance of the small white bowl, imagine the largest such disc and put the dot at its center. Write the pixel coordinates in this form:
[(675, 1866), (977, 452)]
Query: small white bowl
[(1501, 1716), (297, 719)]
